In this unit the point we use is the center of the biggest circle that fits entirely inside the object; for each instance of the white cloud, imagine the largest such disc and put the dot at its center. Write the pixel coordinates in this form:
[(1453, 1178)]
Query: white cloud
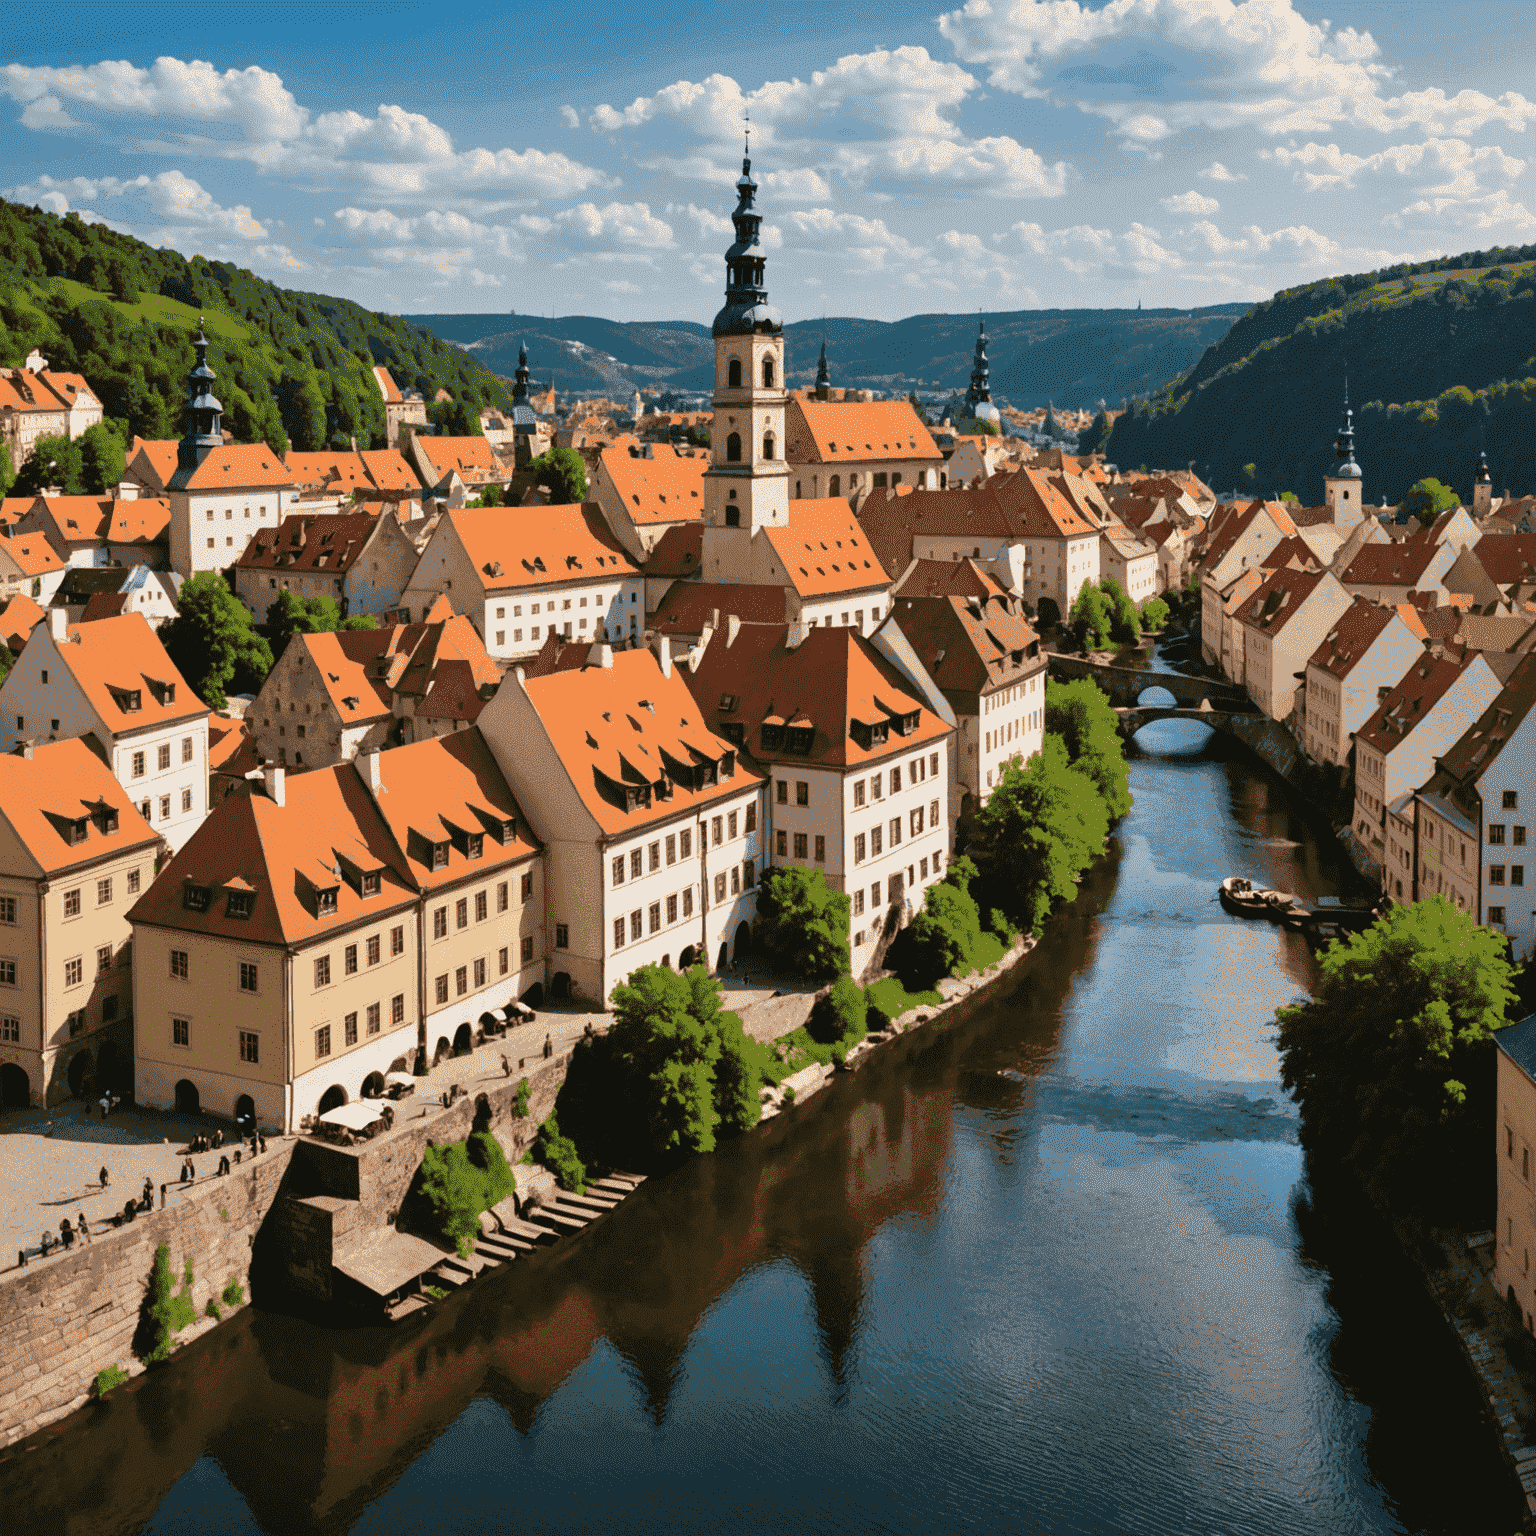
[(624, 224), (1495, 211), (711, 225), (1295, 238), (172, 204), (249, 114), (798, 186), (571, 116), (1216, 171), (1191, 202), (1325, 166)]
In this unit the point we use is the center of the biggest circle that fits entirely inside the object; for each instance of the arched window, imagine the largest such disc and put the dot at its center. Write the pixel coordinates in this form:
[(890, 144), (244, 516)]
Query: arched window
[(767, 373), (768, 445), (834, 486), (733, 374), (733, 442)]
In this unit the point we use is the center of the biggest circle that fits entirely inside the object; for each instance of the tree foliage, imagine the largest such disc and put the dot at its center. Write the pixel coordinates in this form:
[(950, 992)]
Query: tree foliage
[(564, 471), (213, 642), (1427, 499), (1154, 613), (1091, 618), (1082, 717), (462, 1179), (557, 1152), (55, 462), (102, 459), (1125, 621), (803, 925), (1381, 1058), (1039, 830), (166, 1310), (841, 1015)]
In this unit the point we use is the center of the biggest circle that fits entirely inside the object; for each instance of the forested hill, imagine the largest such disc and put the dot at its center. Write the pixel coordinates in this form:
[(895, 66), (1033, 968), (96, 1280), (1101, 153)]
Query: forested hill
[(1441, 363), (1074, 357), (292, 367)]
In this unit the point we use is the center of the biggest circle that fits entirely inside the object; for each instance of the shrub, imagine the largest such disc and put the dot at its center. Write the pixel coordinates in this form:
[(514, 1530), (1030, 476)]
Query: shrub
[(558, 1154), (839, 1055), (841, 1015), (1002, 926), (802, 925), (166, 1310), (738, 1077), (941, 939), (212, 1310), (107, 1381), (789, 1093), (461, 1180), (233, 1293), (1154, 613), (522, 1099)]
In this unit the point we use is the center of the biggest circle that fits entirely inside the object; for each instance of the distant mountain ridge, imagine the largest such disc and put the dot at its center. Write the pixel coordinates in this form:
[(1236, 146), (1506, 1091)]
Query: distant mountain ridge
[(1440, 361), (1073, 357)]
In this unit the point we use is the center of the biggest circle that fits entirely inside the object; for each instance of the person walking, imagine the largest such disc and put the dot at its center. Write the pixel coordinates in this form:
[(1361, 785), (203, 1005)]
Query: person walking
[(149, 1193), (549, 1049), (82, 1228), (102, 1178), (224, 1163), (67, 1233)]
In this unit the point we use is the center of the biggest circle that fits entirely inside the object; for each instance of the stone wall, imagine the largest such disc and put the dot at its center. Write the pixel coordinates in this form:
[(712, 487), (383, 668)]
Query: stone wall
[(64, 1319)]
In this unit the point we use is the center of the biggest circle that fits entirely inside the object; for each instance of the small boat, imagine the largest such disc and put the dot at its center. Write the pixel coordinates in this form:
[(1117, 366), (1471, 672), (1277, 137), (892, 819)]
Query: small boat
[(1241, 896)]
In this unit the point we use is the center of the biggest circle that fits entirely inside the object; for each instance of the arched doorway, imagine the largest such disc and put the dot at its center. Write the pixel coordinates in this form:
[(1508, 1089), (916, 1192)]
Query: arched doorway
[(686, 960), (188, 1100), (666, 962), (245, 1110), (373, 1086), (743, 944), (562, 986), (443, 1051), (463, 1040), (534, 995), (724, 958), (333, 1098), (835, 486), (108, 1066), (15, 1087), (79, 1071)]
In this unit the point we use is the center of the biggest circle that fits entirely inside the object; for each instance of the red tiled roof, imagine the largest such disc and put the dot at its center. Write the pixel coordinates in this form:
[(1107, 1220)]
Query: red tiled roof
[(1391, 565), (678, 552), (512, 548), (688, 606), (666, 488), (1507, 557), (1294, 548), (1358, 629), (892, 522), (828, 432), (947, 578), (1277, 602), (324, 544), (824, 550), (1476, 751), (103, 605), (1425, 684), (968, 648), (1039, 507)]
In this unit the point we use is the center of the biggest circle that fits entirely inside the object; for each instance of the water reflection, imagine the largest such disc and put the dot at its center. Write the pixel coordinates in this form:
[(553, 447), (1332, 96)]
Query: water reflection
[(1036, 1269)]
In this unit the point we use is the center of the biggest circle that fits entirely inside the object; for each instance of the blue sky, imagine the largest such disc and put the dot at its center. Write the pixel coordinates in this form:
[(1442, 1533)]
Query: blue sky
[(998, 154)]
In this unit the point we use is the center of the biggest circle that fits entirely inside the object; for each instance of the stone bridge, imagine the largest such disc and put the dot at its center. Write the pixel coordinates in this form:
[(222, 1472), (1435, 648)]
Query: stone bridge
[(1266, 738), (1125, 685)]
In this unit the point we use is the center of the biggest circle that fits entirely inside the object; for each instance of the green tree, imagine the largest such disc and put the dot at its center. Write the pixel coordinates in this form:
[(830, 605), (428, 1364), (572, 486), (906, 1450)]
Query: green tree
[(1040, 828), (55, 461), (843, 1014), (1083, 718), (1125, 622), (1381, 1058), (942, 938), (558, 1152), (7, 470), (103, 461), (564, 471), (1092, 619), (802, 925), (213, 642), (489, 497), (359, 621), (462, 1179), (291, 615), (698, 436), (1154, 614), (1427, 499)]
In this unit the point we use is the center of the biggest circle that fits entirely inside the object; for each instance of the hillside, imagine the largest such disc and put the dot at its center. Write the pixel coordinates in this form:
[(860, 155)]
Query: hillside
[(1440, 359), (292, 367), (1071, 356)]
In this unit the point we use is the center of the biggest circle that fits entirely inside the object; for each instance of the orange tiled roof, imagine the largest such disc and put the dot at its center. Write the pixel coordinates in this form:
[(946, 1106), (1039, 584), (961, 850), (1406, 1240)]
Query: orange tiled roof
[(678, 552), (824, 550), (1038, 507), (510, 548), (341, 473), (68, 386), (158, 461), (947, 578), (390, 470), (140, 520), (23, 391), (828, 432), (628, 726), (667, 488), (51, 798), (473, 458), (118, 662), (386, 383), (31, 553), (18, 618), (310, 542), (240, 466)]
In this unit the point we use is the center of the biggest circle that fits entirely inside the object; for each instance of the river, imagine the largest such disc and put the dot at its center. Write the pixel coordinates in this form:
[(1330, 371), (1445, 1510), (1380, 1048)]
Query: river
[(1049, 1266)]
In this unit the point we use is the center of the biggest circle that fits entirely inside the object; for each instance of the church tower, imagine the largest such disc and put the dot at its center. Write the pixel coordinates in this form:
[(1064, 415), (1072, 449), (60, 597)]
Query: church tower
[(978, 398), (746, 486), (1482, 488), (1343, 491), (202, 428), (823, 375), (525, 423)]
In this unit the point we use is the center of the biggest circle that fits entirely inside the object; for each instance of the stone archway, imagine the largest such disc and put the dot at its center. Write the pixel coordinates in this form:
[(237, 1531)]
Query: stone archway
[(109, 1067), (15, 1087), (188, 1100), (463, 1040), (724, 958), (373, 1086), (245, 1110), (562, 986), (534, 995), (333, 1098), (79, 1073), (742, 947), (688, 959), (443, 1050)]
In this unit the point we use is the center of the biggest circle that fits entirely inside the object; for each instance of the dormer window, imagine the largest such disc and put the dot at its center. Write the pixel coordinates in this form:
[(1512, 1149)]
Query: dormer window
[(75, 830), (507, 831), (195, 897), (129, 700), (773, 738), (734, 732), (372, 882), (727, 703), (239, 904), (799, 739), (440, 855), (325, 900), (474, 845), (105, 817)]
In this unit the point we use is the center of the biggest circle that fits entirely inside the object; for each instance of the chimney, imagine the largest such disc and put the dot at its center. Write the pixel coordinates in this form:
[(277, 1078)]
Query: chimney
[(663, 647), (58, 625), (274, 781), (27, 748), (600, 654), (795, 638), (373, 773), (354, 445), (732, 629)]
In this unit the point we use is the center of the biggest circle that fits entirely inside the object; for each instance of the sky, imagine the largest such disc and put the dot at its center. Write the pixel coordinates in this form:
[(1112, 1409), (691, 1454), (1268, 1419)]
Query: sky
[(1001, 154)]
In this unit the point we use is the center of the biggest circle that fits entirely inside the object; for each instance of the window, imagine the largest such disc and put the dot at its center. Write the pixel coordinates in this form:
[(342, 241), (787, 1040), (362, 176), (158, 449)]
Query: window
[(858, 902), (397, 941), (917, 822), (323, 1040), (781, 842), (895, 830), (752, 817), (186, 800), (1517, 874), (874, 894), (397, 1008), (655, 857), (821, 849), (858, 848), (1496, 833), (481, 898), (163, 756), (349, 960), (502, 896), (636, 925), (933, 813), (688, 901), (165, 807), (10, 1031), (733, 448), (179, 966), (526, 888), (876, 841), (479, 974), (618, 933), (1496, 915), (186, 749), (7, 909), (72, 903), (685, 843), (717, 830), (8, 973), (440, 923), (104, 892), (875, 781), (800, 845), (461, 912), (858, 793), (349, 1028), (74, 972), (138, 765), (1511, 800), (562, 936), (895, 781), (719, 890), (373, 950), (802, 792), (103, 959), (527, 949), (247, 977), (181, 1032), (1495, 874), (323, 971), (653, 914), (461, 981), (636, 862), (440, 989), (502, 967)]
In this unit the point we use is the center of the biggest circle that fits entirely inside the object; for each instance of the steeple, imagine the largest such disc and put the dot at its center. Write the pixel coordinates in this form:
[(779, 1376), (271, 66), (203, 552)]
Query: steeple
[(978, 398), (1343, 489), (520, 378), (201, 417), (1482, 488), (746, 300), (1344, 444), (823, 374)]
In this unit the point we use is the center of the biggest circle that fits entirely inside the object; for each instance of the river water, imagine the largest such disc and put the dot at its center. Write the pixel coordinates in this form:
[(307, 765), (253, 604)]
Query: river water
[(1048, 1266)]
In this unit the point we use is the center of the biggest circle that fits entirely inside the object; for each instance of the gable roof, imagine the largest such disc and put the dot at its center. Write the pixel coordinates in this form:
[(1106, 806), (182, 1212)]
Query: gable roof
[(31, 552), (1390, 565), (666, 488), (1279, 600), (326, 830), (386, 382), (892, 523), (968, 646), (1358, 629), (947, 578), (45, 798), (139, 520), (69, 387), (1039, 509), (516, 547), (23, 391), (389, 469), (1293, 548), (834, 432), (472, 457), (628, 726), (322, 544), (115, 659), (1506, 557), (1479, 748), (18, 618), (1231, 520), (824, 550), (238, 466), (678, 552), (832, 680), (1402, 708), (338, 472), (688, 606), (155, 458)]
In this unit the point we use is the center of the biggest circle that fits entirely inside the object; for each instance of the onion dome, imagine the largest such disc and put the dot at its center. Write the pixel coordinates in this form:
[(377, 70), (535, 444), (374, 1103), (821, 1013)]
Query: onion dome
[(747, 309)]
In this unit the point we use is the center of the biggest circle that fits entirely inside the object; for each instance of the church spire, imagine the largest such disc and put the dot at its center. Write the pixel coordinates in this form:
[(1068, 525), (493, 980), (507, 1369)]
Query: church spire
[(823, 374), (520, 378), (1344, 444), (978, 398), (201, 419), (746, 300)]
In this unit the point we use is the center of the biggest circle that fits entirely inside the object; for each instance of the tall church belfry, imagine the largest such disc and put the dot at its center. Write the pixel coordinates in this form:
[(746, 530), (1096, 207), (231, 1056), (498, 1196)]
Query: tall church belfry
[(1343, 490), (746, 486)]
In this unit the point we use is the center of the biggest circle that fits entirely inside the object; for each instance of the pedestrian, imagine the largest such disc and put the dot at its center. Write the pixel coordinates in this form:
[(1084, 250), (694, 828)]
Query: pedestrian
[(50, 1127), (149, 1193), (549, 1049), (224, 1164), (47, 1242), (506, 1066), (102, 1177), (186, 1170), (218, 1137), (67, 1233), (130, 1210), (237, 1154), (261, 1142), (84, 1230), (103, 1102)]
